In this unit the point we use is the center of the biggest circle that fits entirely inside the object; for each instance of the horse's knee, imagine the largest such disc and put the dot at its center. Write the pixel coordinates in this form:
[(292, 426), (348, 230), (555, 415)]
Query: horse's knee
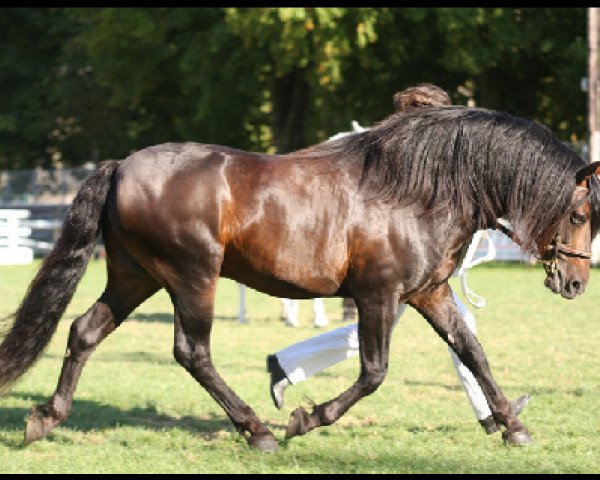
[(78, 337), (183, 356), (371, 380), (89, 329), (188, 359)]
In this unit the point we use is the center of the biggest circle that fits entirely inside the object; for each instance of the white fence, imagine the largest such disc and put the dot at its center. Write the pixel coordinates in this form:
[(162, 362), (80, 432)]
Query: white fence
[(16, 245), (33, 204), (12, 237), (508, 251)]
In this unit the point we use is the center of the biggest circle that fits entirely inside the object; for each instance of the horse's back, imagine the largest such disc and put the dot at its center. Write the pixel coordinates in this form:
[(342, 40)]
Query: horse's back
[(271, 220), (159, 182)]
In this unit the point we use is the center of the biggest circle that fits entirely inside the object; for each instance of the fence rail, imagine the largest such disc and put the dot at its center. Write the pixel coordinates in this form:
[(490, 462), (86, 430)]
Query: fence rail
[(40, 186), (12, 236), (45, 195)]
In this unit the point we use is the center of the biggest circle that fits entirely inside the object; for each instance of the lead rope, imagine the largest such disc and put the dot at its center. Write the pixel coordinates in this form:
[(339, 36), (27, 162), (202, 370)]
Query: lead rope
[(468, 262)]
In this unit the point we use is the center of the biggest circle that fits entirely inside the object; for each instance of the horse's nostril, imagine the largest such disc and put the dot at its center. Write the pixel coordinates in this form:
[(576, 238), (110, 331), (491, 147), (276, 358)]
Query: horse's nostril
[(576, 286)]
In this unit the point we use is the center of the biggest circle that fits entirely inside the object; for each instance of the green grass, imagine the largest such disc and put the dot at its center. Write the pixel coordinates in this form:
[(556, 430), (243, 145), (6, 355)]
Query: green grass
[(137, 411)]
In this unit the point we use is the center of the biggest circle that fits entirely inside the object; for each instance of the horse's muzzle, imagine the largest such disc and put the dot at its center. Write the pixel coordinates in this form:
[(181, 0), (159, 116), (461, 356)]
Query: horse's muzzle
[(568, 289), (572, 288)]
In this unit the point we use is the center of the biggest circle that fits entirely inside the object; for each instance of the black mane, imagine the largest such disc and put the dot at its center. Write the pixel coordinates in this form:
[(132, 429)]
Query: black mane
[(479, 164)]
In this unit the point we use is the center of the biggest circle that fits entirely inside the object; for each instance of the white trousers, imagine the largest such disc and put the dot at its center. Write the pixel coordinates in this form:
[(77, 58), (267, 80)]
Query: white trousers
[(290, 310), (304, 359)]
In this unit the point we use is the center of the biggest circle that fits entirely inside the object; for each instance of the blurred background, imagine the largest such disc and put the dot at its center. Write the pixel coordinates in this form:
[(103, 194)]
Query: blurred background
[(82, 85)]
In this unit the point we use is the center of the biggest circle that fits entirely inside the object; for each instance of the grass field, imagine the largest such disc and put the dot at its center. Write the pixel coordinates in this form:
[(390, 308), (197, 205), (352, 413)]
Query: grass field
[(137, 411)]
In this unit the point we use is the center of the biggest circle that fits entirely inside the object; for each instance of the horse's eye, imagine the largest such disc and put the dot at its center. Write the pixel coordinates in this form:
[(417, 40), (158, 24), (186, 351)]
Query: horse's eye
[(578, 218)]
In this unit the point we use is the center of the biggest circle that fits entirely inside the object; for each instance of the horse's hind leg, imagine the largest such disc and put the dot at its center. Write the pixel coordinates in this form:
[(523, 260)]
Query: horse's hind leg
[(193, 321), (127, 287)]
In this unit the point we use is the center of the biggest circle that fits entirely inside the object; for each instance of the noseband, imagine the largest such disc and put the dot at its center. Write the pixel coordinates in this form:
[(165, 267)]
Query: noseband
[(551, 254), (556, 247), (550, 257)]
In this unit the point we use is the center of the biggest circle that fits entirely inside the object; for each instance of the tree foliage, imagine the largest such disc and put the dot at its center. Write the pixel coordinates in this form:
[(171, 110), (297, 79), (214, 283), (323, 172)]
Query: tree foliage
[(30, 54), (97, 83)]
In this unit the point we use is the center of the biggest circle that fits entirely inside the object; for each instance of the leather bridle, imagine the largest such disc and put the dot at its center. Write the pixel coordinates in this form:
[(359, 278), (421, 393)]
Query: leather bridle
[(550, 257), (552, 251)]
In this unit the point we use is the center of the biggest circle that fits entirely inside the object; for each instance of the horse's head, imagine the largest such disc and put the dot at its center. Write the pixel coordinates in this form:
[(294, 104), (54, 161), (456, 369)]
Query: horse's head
[(567, 258)]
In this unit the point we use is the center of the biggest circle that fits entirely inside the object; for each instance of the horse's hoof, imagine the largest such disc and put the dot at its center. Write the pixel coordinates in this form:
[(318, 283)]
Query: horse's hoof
[(298, 424), (34, 430), (518, 438), (264, 442)]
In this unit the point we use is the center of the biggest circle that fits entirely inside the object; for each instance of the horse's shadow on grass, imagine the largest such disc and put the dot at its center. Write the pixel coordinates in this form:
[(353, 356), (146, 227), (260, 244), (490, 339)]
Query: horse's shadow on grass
[(87, 416), (576, 392), (168, 317)]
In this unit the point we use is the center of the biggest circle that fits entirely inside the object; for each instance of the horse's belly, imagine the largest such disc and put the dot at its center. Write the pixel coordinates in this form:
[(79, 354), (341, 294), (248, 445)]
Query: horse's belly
[(284, 273)]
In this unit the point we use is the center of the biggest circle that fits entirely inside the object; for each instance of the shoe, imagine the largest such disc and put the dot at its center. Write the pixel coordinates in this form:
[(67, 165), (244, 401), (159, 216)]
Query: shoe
[(279, 381), (489, 424)]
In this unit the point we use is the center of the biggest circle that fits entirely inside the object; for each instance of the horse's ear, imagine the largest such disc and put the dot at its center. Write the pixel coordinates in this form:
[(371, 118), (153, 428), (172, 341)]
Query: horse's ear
[(586, 172)]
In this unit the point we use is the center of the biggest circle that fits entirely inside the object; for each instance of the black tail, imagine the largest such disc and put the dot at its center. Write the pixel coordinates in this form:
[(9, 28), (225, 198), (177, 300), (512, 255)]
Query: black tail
[(51, 290)]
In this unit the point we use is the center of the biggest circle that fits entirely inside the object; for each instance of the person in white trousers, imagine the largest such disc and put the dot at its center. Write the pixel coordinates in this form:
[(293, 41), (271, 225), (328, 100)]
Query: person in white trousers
[(290, 310), (302, 360), (292, 307)]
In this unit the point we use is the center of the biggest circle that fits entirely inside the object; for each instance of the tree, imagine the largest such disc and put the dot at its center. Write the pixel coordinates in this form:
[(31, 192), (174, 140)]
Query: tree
[(30, 48), (528, 61), (176, 73), (300, 53), (101, 82)]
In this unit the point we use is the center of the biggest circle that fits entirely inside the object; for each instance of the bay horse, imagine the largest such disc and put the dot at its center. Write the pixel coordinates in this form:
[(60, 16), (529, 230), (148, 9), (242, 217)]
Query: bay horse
[(379, 216)]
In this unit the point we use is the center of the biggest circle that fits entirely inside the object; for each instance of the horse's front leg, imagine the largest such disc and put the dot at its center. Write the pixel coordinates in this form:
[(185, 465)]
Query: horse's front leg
[(438, 307), (376, 317)]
